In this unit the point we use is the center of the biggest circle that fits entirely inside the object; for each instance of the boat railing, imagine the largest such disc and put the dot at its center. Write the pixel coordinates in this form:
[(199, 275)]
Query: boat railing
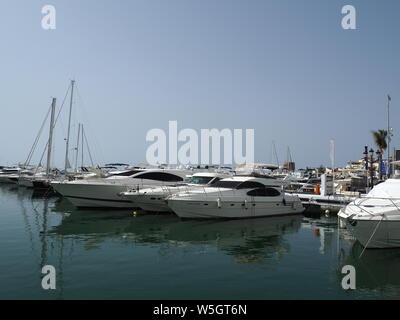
[(363, 199)]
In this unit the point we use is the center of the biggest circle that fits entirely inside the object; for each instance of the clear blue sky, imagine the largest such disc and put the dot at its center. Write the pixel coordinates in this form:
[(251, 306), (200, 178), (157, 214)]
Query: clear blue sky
[(285, 68)]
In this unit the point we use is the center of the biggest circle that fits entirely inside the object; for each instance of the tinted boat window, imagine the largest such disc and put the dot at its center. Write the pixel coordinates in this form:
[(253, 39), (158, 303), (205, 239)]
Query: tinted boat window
[(199, 180), (264, 192), (159, 176), (226, 184), (250, 185), (125, 174), (213, 181)]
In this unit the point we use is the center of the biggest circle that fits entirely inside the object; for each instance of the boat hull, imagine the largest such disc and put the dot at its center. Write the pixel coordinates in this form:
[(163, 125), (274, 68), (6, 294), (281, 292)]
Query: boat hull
[(374, 234), (25, 182), (94, 195), (151, 203), (214, 209), (8, 179)]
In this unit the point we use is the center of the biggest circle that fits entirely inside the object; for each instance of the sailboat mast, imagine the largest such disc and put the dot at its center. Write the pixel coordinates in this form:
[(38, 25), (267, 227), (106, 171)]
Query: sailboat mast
[(275, 153), (69, 125), (50, 143), (83, 133), (77, 148)]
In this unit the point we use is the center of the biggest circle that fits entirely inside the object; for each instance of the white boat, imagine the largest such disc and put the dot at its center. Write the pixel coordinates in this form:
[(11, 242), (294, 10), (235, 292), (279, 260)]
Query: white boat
[(9, 174), (236, 197), (154, 199), (104, 192), (374, 220)]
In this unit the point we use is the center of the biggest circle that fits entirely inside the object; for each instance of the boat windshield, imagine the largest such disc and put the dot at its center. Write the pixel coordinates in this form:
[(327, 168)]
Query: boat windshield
[(199, 180)]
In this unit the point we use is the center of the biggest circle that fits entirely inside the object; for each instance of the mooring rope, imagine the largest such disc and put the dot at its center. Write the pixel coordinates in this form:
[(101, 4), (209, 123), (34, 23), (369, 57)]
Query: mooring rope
[(366, 245)]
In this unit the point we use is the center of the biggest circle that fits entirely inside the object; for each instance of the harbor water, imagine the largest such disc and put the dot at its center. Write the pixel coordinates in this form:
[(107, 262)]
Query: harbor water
[(106, 254)]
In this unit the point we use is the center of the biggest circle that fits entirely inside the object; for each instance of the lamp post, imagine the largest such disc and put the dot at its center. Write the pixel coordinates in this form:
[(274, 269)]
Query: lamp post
[(371, 152), (365, 153), (379, 156), (388, 134)]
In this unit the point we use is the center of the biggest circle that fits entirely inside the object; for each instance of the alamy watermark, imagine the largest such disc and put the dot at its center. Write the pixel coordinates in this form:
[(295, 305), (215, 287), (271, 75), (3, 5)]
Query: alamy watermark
[(204, 147), (49, 279), (349, 280), (349, 20), (48, 21), (49, 18)]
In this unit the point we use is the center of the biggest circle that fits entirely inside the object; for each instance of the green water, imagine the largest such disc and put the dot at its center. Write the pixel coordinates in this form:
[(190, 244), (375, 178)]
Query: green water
[(115, 255)]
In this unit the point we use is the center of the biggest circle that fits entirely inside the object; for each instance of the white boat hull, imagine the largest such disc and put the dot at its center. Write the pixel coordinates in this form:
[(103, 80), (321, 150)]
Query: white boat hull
[(214, 209), (151, 203), (24, 182), (156, 205), (8, 179), (94, 195), (374, 233)]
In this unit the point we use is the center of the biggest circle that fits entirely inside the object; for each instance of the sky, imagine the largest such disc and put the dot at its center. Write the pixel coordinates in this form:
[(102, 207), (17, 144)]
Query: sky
[(285, 68)]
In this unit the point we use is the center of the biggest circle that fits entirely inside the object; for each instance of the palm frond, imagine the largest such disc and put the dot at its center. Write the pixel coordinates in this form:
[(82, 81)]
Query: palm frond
[(380, 139)]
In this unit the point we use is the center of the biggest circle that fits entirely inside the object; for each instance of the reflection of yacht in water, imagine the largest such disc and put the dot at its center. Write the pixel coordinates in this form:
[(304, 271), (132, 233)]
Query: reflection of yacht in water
[(375, 270), (249, 241)]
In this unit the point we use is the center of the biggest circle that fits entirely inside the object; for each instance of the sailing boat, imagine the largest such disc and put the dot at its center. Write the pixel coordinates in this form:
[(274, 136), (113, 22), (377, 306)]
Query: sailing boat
[(44, 183)]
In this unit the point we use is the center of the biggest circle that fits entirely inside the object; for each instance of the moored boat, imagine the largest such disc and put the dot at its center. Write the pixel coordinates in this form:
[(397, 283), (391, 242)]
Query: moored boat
[(154, 199), (236, 197), (374, 220)]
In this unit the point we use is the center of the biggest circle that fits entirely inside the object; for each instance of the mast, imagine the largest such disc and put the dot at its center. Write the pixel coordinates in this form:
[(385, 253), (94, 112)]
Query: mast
[(50, 143), (332, 154), (88, 148), (77, 148), (275, 153), (69, 125), (82, 142)]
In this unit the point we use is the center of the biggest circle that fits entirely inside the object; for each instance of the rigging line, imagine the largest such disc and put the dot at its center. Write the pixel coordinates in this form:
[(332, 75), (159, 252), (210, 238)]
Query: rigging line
[(87, 145), (82, 146), (275, 153), (29, 158), (59, 112), (87, 123), (376, 228)]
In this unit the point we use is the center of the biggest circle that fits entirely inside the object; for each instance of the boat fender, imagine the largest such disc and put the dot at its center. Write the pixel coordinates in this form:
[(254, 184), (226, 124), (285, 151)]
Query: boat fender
[(219, 203), (245, 204), (284, 201)]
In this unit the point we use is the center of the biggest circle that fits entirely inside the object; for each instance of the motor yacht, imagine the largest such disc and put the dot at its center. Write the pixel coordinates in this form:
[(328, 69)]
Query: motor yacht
[(374, 219), (236, 197), (104, 192), (9, 174), (154, 199)]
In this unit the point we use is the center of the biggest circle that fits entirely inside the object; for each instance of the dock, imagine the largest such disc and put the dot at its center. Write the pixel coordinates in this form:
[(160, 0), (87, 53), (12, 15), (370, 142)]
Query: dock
[(327, 204)]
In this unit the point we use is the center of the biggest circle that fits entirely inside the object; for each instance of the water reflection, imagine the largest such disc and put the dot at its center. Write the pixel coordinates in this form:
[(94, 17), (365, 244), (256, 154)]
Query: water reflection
[(248, 241), (376, 269), (57, 234)]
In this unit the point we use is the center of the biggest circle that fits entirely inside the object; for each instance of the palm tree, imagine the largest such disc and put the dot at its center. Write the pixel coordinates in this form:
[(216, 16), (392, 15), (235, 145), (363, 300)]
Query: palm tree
[(380, 139)]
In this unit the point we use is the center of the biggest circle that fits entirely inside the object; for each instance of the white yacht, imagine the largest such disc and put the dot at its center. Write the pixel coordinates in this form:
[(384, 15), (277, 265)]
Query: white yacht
[(154, 199), (374, 220), (26, 177), (9, 174), (236, 197), (104, 192)]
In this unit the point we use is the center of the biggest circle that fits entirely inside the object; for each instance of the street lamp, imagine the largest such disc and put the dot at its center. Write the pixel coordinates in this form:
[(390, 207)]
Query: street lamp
[(371, 152), (365, 153), (379, 155)]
